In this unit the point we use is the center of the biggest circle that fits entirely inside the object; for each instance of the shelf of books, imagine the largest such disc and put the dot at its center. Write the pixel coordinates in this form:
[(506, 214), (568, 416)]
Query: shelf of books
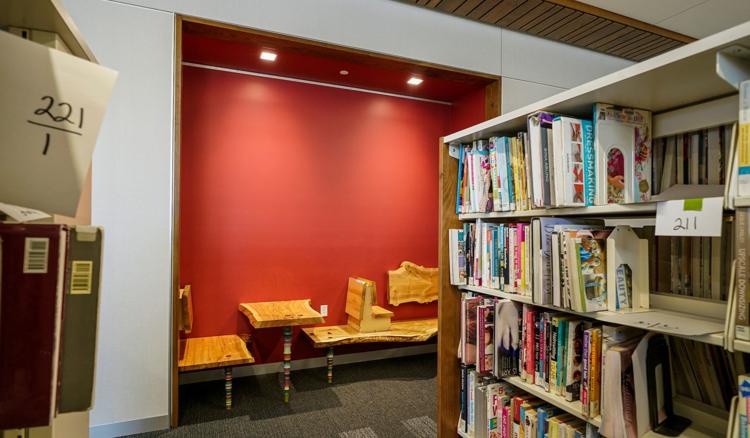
[(563, 310)]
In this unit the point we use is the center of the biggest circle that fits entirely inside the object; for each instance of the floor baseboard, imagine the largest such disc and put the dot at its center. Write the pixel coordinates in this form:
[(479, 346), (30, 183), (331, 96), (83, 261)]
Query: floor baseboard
[(129, 427), (313, 362)]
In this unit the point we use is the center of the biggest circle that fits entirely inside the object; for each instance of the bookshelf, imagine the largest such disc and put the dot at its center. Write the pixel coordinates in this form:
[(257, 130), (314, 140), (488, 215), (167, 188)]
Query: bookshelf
[(684, 92)]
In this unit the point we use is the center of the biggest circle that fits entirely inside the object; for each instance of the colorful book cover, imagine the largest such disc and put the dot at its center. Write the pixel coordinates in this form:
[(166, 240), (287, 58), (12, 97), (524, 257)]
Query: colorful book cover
[(485, 337), (554, 330), (574, 353), (572, 182), (485, 177), (591, 247), (507, 337), (531, 342), (543, 414), (470, 336), (622, 138), (585, 377)]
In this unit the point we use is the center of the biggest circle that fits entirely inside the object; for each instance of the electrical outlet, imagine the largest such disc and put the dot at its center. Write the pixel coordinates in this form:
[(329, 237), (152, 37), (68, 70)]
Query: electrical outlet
[(324, 309)]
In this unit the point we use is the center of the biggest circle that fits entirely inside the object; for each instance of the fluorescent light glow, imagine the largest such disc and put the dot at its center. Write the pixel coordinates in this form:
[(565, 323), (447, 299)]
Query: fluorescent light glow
[(267, 56), (344, 72), (414, 80)]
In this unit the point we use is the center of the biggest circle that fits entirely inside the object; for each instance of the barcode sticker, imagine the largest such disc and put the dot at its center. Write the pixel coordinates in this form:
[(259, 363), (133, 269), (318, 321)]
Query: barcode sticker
[(80, 277), (35, 255)]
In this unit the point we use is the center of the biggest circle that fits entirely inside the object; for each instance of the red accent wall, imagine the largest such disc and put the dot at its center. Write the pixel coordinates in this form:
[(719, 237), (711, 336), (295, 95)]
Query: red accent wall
[(467, 110), (287, 189)]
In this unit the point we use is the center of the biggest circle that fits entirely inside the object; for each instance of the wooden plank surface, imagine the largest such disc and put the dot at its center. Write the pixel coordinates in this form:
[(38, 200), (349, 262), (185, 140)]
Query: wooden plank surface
[(448, 301), (416, 330), (214, 352), (280, 313)]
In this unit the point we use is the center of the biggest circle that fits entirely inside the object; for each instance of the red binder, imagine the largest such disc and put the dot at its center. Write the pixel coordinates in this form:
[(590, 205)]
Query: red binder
[(32, 271)]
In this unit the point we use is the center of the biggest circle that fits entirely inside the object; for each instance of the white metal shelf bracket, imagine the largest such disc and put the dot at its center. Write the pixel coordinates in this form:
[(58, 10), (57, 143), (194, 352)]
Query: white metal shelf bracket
[(733, 65)]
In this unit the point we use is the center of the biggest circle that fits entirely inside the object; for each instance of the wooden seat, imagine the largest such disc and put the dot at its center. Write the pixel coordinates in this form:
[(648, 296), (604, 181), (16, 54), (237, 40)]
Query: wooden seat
[(364, 315), (416, 330), (213, 352)]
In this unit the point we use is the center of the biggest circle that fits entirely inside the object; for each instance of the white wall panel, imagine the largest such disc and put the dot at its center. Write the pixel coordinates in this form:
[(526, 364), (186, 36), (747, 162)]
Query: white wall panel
[(131, 198), (548, 62), (518, 93)]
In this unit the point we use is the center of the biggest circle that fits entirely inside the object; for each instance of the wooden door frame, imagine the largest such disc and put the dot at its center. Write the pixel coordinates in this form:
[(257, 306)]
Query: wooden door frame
[(492, 109)]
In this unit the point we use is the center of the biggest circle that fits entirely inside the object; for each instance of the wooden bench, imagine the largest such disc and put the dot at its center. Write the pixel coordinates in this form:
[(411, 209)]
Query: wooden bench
[(211, 352), (417, 330)]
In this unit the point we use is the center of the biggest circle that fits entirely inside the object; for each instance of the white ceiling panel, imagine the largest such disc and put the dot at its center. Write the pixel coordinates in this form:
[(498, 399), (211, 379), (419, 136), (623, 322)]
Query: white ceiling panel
[(650, 11), (709, 17)]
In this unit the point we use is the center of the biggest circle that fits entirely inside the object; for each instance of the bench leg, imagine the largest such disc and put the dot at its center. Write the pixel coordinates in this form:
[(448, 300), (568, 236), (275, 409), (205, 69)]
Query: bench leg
[(287, 361), (330, 364), (228, 387)]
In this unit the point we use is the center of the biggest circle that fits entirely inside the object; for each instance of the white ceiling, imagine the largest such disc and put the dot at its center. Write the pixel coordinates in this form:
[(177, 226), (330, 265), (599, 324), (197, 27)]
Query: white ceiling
[(696, 18)]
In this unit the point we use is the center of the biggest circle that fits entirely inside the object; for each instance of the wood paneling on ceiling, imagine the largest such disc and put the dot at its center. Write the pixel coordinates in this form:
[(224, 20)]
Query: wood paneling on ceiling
[(568, 21)]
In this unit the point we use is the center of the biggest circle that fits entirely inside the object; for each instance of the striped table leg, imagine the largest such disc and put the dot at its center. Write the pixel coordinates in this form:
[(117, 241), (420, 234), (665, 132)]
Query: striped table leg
[(330, 364), (287, 360), (228, 387)]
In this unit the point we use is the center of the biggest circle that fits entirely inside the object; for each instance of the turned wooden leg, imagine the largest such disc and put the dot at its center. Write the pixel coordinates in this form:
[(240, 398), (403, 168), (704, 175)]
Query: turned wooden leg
[(228, 387), (287, 361), (330, 364)]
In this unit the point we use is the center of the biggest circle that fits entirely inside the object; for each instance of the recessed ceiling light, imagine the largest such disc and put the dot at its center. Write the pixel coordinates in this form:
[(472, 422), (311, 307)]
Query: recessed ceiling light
[(344, 72), (267, 56), (414, 80)]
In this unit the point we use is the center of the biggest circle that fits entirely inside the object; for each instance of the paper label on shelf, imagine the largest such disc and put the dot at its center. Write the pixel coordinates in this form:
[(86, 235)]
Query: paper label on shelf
[(690, 217), (22, 214), (51, 107)]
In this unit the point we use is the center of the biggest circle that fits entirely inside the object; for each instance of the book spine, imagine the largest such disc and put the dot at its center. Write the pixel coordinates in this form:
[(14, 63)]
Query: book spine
[(595, 372), (743, 141), (538, 349), (511, 182), (532, 339), (554, 326), (562, 346), (494, 175), (459, 186), (585, 378), (545, 167), (481, 321), (589, 163), (742, 330)]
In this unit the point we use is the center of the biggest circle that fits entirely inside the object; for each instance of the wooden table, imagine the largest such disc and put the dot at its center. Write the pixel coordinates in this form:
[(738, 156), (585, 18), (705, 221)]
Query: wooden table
[(416, 330), (282, 314), (215, 352)]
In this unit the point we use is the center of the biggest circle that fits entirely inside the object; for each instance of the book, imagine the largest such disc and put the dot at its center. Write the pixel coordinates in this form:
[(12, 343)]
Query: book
[(743, 141), (80, 317), (508, 323), (470, 330), (568, 145), (742, 327), (627, 261), (622, 138), (574, 360), (485, 338), (32, 263), (595, 366)]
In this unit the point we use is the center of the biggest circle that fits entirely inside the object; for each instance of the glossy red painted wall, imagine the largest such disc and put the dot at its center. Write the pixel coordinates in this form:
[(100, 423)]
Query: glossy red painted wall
[(287, 189)]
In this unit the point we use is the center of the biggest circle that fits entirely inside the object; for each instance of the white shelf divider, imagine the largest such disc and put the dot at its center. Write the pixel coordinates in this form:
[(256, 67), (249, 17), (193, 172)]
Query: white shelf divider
[(631, 319), (574, 408)]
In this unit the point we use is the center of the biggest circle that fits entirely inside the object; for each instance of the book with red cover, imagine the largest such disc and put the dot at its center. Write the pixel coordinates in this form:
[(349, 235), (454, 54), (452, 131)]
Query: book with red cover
[(32, 266)]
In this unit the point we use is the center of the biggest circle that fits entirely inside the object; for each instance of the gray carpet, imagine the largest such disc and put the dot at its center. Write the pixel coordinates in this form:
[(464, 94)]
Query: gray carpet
[(381, 399)]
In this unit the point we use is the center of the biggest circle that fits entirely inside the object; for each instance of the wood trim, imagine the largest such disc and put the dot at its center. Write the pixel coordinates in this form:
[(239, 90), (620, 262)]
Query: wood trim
[(174, 417), (617, 18), (448, 302), (374, 55), (492, 94)]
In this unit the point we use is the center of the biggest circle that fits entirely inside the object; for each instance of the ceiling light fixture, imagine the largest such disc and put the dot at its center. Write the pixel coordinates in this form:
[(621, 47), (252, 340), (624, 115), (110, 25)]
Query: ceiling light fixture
[(414, 80), (267, 56), (343, 72)]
